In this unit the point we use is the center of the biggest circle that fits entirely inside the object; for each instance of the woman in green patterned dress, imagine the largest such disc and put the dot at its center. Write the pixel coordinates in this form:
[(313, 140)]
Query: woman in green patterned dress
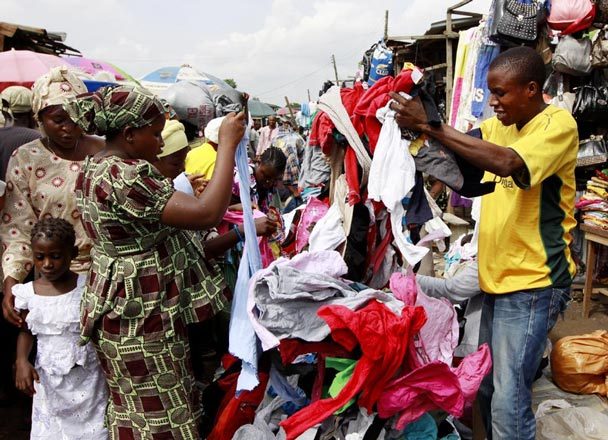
[(149, 277)]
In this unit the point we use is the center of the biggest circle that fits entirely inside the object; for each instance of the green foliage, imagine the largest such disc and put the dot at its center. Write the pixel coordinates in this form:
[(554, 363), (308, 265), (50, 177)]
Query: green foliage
[(231, 82)]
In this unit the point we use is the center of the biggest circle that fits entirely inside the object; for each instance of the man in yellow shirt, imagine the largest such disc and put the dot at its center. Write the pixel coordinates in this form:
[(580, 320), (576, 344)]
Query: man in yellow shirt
[(525, 266), (201, 160)]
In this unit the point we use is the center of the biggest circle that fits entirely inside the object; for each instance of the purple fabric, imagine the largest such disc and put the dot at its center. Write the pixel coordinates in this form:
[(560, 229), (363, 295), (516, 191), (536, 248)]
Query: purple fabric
[(457, 201)]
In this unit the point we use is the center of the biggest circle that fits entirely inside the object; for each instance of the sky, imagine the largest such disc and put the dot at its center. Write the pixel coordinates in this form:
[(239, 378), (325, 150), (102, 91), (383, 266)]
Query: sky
[(271, 48)]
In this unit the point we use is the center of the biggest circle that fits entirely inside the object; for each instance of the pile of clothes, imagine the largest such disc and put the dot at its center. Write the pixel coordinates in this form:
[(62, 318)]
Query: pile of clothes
[(594, 202), (335, 341), (340, 358)]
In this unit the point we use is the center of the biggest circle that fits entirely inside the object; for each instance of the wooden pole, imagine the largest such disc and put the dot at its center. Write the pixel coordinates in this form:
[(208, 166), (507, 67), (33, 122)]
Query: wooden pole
[(333, 60), (386, 25), (293, 118)]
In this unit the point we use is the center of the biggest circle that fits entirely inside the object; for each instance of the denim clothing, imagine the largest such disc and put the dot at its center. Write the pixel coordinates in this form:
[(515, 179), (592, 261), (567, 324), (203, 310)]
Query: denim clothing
[(515, 325)]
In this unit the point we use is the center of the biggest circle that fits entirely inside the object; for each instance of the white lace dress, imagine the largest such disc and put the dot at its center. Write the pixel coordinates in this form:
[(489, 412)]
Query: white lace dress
[(71, 398)]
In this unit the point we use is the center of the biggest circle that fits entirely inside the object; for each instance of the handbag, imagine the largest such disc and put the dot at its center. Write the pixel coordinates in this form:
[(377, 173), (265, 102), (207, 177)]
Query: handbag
[(599, 50), (591, 103), (563, 99), (570, 16), (573, 56), (515, 22), (601, 12), (591, 151)]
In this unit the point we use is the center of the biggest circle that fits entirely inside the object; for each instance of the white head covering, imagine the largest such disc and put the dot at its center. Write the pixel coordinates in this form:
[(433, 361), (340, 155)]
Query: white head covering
[(212, 130), (56, 88)]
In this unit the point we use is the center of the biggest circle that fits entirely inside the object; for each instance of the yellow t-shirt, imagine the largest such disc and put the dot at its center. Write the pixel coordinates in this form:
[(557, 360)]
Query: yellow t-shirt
[(525, 224), (201, 160)]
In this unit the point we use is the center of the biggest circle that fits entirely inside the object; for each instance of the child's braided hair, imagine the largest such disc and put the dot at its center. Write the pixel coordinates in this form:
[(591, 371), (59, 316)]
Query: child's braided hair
[(54, 229), (275, 158)]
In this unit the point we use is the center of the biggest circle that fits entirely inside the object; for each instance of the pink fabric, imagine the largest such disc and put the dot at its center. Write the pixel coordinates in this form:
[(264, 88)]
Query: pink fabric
[(457, 94), (236, 218), (439, 336), (267, 135), (315, 210), (435, 385)]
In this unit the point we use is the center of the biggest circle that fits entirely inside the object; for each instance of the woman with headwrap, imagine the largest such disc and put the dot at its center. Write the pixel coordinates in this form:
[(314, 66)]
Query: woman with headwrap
[(40, 181), (149, 277)]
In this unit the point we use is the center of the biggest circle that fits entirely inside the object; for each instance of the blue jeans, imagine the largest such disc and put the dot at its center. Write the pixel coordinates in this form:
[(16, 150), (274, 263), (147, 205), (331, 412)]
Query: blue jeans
[(515, 326)]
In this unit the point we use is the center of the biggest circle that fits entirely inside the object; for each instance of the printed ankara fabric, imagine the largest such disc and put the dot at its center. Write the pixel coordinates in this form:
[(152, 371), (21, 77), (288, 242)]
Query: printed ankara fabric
[(147, 280), (38, 184), (111, 109), (152, 392)]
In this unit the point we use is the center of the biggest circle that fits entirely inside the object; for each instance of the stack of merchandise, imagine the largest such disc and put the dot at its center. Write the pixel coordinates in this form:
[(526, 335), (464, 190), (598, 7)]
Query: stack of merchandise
[(594, 203)]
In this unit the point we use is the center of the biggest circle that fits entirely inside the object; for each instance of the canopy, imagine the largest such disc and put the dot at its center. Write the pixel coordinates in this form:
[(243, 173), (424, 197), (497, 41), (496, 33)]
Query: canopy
[(259, 109), (161, 79), (24, 67)]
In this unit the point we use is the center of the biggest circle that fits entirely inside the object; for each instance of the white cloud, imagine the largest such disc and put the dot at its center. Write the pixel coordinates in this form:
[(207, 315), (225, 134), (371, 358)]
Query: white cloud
[(272, 48)]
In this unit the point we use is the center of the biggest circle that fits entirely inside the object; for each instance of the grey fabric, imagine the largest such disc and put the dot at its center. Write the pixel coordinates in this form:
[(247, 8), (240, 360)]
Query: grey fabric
[(266, 421), (288, 300), (314, 169), (439, 162), (464, 285)]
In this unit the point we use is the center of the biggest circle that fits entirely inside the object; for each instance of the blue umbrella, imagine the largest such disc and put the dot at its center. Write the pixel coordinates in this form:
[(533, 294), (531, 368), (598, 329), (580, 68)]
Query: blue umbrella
[(93, 86), (162, 78)]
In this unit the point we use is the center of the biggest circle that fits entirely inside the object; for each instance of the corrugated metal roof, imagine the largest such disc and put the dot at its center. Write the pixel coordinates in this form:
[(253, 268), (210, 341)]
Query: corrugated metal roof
[(19, 37)]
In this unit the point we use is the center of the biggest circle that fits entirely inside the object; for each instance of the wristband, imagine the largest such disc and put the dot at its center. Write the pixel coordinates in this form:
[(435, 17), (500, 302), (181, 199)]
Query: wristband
[(238, 234)]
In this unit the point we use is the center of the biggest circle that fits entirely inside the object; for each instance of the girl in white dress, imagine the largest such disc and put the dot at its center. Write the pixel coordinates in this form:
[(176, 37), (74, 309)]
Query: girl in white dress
[(67, 384)]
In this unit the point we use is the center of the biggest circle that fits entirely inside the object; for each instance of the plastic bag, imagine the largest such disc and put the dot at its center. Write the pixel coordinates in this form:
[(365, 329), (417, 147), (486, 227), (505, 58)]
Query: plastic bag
[(572, 424), (193, 102), (579, 364)]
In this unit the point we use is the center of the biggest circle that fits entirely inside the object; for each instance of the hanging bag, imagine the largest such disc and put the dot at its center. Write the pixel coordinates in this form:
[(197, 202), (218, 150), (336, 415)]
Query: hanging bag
[(573, 56), (599, 50), (516, 22), (519, 21), (591, 151), (570, 16), (382, 63), (591, 102), (366, 61), (601, 11), (562, 99)]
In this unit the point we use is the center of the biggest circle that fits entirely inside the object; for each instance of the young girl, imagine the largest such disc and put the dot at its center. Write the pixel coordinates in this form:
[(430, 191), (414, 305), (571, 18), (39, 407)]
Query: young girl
[(264, 176), (70, 394)]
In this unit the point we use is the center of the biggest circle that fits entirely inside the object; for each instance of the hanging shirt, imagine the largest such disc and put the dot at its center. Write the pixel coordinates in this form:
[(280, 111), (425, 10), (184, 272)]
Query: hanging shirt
[(525, 223), (266, 137), (291, 144)]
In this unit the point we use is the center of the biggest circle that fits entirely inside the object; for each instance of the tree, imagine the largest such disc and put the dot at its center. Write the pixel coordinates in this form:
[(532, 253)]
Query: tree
[(230, 82)]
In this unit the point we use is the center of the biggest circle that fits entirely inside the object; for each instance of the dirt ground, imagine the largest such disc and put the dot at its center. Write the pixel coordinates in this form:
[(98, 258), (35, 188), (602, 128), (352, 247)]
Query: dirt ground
[(574, 323), (13, 425)]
